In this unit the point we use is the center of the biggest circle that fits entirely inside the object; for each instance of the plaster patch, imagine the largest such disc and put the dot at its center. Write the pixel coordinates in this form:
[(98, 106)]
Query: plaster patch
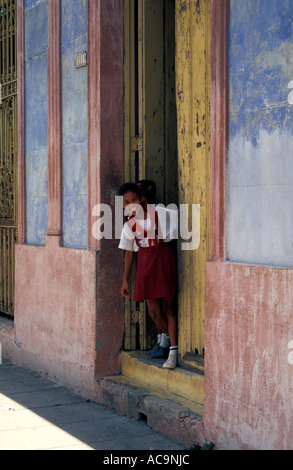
[(279, 57), (259, 199)]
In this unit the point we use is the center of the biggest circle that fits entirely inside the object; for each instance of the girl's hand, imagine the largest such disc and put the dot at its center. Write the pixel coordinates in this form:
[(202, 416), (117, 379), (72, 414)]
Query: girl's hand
[(125, 289)]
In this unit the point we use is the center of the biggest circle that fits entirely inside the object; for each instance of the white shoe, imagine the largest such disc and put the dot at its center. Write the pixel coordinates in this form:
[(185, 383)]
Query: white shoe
[(172, 361)]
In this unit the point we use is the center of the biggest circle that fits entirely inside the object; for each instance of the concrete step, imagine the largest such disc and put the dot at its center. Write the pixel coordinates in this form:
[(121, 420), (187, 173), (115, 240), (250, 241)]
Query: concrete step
[(150, 372), (193, 362), (170, 401)]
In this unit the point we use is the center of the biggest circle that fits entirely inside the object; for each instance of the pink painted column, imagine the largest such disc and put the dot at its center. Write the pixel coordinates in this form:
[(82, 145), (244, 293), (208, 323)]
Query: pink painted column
[(94, 115), (105, 170), (21, 222), (219, 124), (54, 123)]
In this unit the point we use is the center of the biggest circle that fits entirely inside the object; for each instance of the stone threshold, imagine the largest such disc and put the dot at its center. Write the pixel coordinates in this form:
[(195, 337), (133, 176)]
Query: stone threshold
[(169, 401)]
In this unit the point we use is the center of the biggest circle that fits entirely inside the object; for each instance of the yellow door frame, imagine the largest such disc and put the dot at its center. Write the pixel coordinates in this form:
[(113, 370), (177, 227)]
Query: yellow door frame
[(193, 131)]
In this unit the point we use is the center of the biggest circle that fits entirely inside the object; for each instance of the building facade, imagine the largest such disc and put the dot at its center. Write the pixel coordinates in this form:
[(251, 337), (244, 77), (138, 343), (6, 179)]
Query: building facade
[(195, 95)]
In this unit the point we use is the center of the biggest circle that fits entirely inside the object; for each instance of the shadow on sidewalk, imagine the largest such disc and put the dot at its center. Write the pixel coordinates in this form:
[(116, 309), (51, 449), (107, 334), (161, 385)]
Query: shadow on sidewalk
[(37, 414)]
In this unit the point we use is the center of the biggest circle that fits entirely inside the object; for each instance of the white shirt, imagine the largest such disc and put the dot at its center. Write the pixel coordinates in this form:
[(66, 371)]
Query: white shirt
[(168, 225)]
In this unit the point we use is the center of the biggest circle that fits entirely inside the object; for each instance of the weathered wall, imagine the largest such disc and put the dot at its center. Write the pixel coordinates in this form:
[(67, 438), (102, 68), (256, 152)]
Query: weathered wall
[(110, 303), (36, 136), (259, 228), (55, 308), (248, 376), (55, 288), (69, 316), (248, 324), (74, 124)]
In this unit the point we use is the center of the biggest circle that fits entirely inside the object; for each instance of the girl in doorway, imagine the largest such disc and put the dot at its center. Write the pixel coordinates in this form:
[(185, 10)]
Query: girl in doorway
[(148, 190), (156, 272)]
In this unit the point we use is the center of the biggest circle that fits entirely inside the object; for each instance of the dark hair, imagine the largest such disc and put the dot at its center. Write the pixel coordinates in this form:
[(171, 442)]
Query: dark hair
[(148, 189), (129, 187)]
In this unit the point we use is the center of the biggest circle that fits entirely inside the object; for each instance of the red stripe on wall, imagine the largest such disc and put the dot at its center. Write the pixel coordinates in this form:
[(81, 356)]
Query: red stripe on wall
[(94, 114), (54, 122), (219, 124)]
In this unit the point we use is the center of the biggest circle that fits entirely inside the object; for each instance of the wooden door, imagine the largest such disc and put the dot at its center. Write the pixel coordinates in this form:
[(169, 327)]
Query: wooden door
[(150, 121), (167, 139)]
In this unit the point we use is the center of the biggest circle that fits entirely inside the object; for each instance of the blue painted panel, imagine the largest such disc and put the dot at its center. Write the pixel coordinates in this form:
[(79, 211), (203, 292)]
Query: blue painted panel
[(36, 29), (36, 134), (74, 121), (74, 125), (75, 213), (75, 221), (260, 64), (75, 168), (28, 4), (72, 78), (36, 73), (37, 174), (74, 109), (73, 19), (37, 215), (36, 127), (260, 158)]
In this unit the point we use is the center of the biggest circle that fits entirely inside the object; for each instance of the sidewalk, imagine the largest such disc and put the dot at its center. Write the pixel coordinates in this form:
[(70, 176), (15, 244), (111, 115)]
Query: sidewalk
[(37, 414)]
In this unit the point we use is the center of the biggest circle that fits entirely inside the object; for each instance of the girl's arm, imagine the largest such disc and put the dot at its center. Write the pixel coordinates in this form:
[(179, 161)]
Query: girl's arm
[(128, 261)]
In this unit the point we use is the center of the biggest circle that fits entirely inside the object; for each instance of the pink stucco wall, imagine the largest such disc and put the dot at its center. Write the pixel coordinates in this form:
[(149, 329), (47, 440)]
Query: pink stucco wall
[(69, 313), (248, 377), (55, 309)]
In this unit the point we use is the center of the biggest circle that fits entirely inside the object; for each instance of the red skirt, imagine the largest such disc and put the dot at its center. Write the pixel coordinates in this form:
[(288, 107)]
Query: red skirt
[(156, 273)]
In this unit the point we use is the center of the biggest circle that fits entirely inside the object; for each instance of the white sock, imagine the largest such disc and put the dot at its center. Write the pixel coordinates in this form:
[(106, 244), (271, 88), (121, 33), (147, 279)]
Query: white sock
[(173, 350), (159, 338), (165, 341)]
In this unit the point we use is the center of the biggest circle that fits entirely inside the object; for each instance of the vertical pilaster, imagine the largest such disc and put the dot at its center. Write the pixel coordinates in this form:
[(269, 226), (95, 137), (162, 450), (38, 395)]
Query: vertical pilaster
[(94, 115), (21, 218), (219, 126), (105, 170), (54, 122)]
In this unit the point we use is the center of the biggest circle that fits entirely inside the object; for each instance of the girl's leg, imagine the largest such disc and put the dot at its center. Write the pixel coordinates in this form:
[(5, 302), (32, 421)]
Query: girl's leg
[(157, 315), (169, 309)]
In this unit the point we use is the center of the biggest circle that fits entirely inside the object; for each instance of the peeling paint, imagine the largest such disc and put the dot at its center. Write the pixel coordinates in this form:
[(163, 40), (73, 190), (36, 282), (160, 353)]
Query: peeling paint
[(183, 7), (74, 123), (36, 138), (250, 406), (260, 163), (261, 64)]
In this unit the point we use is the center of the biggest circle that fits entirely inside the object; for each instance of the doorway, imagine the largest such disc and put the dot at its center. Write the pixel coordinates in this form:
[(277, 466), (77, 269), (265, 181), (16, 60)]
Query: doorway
[(167, 119), (150, 122)]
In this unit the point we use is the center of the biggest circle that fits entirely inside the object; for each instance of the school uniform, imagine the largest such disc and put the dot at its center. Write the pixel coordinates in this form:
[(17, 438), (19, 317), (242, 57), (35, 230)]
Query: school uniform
[(156, 269)]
